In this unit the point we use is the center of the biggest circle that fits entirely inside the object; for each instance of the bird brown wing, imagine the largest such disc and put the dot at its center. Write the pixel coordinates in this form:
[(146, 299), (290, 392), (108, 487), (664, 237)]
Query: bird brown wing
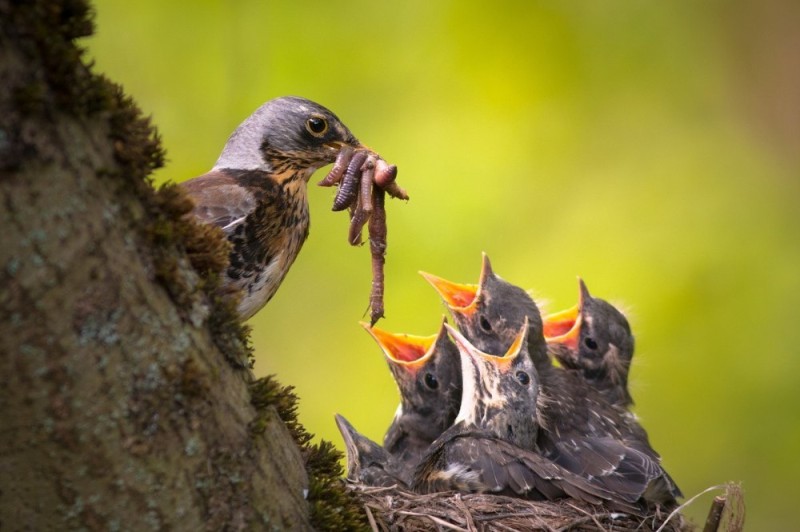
[(477, 462), (220, 200), (621, 469)]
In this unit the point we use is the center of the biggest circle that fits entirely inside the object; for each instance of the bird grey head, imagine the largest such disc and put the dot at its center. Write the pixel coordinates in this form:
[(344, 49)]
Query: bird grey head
[(606, 343), (491, 312), (595, 338), (367, 462), (289, 132), (499, 393), (427, 371)]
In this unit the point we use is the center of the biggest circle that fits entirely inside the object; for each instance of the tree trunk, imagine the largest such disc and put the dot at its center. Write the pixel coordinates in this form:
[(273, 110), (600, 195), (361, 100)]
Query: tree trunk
[(119, 408)]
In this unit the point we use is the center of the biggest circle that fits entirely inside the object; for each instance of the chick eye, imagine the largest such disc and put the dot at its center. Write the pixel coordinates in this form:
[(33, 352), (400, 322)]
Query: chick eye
[(523, 378), (317, 126), (431, 381), (485, 325), (590, 343)]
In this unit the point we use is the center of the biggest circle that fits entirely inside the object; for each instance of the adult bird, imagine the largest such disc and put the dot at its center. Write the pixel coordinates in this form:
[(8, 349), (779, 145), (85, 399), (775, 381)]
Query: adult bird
[(594, 339), (257, 192), (427, 370)]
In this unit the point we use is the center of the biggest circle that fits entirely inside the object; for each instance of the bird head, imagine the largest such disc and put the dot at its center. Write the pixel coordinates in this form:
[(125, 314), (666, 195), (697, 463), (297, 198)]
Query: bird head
[(365, 458), (427, 371), (491, 312), (286, 134), (594, 337), (499, 393)]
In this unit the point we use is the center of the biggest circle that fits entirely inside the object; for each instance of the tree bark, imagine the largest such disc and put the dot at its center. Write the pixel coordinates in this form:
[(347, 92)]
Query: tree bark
[(119, 411)]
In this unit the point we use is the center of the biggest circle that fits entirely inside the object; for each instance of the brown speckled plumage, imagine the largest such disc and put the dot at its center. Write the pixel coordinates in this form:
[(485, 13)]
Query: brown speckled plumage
[(257, 192)]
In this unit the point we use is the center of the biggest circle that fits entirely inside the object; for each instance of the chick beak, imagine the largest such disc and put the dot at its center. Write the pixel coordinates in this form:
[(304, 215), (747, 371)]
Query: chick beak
[(559, 323), (350, 436), (458, 297), (565, 327), (477, 366), (486, 270), (404, 350)]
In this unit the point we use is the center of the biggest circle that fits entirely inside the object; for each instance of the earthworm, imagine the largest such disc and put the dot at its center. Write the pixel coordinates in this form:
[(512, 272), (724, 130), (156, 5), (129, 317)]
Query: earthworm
[(377, 248), (348, 189), (342, 160)]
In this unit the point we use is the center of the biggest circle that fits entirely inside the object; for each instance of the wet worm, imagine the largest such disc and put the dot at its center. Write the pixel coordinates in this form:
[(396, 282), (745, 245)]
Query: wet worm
[(395, 191), (377, 248), (384, 173), (348, 189), (364, 206), (335, 175)]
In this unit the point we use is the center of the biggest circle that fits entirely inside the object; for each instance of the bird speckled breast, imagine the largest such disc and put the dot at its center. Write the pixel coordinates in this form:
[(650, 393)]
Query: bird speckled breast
[(267, 242)]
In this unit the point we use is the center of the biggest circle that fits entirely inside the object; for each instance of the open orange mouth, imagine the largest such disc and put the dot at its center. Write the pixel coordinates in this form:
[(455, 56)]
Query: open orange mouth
[(461, 298), (565, 327), (560, 323), (456, 295), (406, 350)]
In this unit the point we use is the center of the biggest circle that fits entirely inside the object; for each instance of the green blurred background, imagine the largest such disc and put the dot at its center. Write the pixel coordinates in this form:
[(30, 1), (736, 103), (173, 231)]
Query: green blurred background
[(651, 147)]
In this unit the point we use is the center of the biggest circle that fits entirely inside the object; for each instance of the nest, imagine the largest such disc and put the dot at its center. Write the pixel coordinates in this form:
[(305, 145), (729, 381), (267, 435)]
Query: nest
[(390, 509)]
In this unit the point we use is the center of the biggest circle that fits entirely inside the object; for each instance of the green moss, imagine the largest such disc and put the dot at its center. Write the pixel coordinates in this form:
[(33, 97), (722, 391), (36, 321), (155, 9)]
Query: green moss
[(331, 505), (176, 237), (188, 258), (47, 30)]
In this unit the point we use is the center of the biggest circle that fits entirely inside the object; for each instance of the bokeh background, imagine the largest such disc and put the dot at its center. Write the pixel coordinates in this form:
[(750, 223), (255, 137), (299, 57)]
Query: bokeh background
[(651, 147)]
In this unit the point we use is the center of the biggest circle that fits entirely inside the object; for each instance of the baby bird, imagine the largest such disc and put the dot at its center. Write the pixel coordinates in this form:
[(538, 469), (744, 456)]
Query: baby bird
[(484, 451), (580, 428), (368, 462), (594, 338), (427, 370)]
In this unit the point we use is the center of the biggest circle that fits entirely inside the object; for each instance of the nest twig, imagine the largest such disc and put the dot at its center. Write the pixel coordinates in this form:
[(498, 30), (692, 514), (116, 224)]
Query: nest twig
[(390, 509)]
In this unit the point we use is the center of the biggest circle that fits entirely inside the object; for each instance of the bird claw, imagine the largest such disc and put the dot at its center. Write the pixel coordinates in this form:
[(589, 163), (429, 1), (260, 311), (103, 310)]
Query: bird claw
[(364, 179)]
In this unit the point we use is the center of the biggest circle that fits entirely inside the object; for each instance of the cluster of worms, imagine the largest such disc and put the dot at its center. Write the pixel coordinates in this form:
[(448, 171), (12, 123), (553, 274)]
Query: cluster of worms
[(364, 179)]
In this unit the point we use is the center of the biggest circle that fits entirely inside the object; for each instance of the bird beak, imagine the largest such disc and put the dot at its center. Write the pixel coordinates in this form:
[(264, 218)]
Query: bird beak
[(486, 270), (348, 435), (560, 323), (351, 437), (462, 298), (405, 350), (503, 363), (338, 145), (565, 327), (477, 366), (458, 297)]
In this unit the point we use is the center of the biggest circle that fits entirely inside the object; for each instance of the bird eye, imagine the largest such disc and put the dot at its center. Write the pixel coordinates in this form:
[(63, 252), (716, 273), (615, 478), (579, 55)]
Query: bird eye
[(590, 343), (317, 126), (523, 378), (485, 325), (431, 381)]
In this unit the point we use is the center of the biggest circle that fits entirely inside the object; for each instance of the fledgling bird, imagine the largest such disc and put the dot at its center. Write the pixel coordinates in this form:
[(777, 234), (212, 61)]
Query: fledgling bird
[(491, 312), (580, 428), (257, 191), (595, 339), (368, 462), (483, 451), (427, 370)]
